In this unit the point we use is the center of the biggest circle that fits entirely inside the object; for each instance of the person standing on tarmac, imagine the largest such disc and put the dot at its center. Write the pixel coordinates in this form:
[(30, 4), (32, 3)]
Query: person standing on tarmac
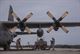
[(52, 44), (18, 43)]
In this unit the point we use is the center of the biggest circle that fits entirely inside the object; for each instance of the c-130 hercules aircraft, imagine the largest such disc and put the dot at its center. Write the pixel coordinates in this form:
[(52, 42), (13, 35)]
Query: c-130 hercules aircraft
[(8, 33)]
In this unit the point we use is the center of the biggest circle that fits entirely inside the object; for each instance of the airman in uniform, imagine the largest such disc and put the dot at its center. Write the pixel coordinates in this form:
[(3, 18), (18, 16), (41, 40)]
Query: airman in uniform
[(18, 44), (52, 44)]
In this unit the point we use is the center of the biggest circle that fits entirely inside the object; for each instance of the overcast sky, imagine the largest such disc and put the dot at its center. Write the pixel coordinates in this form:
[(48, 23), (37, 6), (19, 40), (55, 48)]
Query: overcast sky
[(39, 9)]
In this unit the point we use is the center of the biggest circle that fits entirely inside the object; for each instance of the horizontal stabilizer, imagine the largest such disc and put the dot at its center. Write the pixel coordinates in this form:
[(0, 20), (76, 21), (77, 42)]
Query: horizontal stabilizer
[(21, 33)]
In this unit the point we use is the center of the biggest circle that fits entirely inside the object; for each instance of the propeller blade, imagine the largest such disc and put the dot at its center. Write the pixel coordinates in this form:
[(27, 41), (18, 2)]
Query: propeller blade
[(51, 16), (50, 29), (28, 30), (64, 15), (17, 18), (64, 29), (27, 17), (13, 29)]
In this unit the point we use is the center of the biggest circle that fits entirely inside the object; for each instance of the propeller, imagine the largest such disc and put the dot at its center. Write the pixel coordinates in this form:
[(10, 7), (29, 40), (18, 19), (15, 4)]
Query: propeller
[(57, 23), (64, 29), (22, 25), (51, 16), (64, 15), (27, 17), (13, 29), (28, 30), (50, 29)]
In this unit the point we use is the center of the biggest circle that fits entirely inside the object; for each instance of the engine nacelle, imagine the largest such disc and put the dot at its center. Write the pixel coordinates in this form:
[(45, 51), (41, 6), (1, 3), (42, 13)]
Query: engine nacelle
[(21, 26), (40, 32), (56, 28)]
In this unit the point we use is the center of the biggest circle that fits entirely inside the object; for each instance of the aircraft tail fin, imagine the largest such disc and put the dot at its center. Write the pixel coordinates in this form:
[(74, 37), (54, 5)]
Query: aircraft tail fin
[(10, 16)]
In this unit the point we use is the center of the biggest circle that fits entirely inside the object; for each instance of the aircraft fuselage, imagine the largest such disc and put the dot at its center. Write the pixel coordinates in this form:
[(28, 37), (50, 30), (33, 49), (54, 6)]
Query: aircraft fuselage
[(6, 37)]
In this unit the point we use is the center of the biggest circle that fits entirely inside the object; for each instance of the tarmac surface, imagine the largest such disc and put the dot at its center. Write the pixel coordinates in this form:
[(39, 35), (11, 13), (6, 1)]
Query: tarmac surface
[(56, 51)]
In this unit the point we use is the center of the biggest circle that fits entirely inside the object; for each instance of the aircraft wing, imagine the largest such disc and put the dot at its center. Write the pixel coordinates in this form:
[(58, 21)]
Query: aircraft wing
[(71, 24), (48, 24), (10, 24)]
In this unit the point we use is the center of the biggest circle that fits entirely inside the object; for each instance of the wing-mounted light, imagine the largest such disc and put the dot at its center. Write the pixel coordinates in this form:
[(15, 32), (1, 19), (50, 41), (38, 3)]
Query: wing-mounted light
[(40, 32)]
